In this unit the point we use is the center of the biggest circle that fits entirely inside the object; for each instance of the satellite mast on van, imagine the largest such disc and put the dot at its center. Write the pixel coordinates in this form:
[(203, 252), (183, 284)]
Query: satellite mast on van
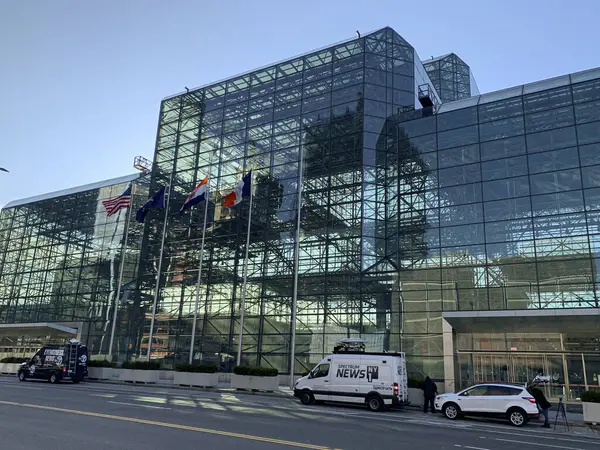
[(349, 345)]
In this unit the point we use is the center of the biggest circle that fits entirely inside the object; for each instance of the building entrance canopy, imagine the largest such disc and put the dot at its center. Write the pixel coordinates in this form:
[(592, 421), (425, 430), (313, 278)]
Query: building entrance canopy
[(36, 329), (525, 321)]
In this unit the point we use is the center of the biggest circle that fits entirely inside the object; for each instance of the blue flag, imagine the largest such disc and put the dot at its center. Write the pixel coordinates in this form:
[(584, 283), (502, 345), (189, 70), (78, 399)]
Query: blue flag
[(156, 201)]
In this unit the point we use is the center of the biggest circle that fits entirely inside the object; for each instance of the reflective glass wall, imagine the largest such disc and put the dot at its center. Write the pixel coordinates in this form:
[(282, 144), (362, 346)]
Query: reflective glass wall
[(60, 259), (511, 200), (324, 110), (451, 77)]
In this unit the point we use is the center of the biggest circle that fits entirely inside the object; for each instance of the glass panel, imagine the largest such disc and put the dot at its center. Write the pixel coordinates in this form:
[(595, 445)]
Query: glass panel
[(546, 100), (554, 160), (458, 156), (588, 133), (458, 137), (501, 129), (512, 187), (504, 148), (457, 119), (549, 119), (551, 140), (504, 168), (554, 182)]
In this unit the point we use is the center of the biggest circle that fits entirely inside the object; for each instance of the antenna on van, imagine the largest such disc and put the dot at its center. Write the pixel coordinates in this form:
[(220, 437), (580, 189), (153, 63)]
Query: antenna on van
[(349, 345)]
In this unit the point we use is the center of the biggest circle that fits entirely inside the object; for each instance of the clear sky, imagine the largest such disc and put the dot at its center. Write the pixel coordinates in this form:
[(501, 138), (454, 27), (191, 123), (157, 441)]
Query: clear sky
[(81, 81)]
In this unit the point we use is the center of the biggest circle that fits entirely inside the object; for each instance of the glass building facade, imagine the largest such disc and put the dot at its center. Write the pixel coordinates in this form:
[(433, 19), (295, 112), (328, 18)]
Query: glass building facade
[(60, 260), (410, 215), (451, 77)]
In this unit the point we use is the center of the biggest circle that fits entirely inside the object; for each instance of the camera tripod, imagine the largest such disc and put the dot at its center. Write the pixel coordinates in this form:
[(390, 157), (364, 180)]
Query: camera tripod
[(562, 414)]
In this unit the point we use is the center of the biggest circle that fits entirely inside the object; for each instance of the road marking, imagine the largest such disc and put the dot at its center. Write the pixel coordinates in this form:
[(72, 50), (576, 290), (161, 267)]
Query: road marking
[(473, 448), (136, 404), (535, 434), (538, 444), (168, 425)]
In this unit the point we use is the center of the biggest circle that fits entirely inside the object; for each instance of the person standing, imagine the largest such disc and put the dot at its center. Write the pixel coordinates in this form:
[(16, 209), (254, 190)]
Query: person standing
[(429, 393), (543, 405)]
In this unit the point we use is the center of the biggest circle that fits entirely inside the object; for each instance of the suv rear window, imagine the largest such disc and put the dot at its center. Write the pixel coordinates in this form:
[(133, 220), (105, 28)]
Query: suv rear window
[(503, 390)]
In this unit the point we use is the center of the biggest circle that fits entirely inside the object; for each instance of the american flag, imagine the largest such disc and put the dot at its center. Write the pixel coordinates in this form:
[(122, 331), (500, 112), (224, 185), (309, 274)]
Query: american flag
[(114, 205)]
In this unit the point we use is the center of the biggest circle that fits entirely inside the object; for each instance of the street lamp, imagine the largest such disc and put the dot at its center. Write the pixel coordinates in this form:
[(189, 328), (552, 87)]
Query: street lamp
[(2, 169)]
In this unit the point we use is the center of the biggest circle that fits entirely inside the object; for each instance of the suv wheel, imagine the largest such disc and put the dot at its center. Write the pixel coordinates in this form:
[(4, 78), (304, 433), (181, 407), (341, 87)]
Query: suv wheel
[(53, 379), (517, 417), (22, 376), (307, 398), (451, 411)]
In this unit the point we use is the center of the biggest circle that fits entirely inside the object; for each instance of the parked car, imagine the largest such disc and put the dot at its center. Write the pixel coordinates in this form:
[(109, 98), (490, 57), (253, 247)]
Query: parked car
[(508, 401)]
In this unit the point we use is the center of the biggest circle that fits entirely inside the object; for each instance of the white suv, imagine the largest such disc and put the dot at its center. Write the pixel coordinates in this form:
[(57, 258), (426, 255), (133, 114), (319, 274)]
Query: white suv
[(492, 400)]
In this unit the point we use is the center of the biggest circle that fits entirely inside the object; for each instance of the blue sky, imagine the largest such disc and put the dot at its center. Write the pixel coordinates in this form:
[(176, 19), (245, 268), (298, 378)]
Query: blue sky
[(81, 82)]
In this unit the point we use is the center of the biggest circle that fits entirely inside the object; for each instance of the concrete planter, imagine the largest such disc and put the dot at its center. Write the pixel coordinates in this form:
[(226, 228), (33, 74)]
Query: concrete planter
[(104, 373), (591, 412), (9, 368), (415, 396), (252, 383), (139, 376), (195, 379)]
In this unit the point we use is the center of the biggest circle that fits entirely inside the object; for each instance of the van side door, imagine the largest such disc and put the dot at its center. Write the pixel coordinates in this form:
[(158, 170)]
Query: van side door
[(321, 384), (35, 366)]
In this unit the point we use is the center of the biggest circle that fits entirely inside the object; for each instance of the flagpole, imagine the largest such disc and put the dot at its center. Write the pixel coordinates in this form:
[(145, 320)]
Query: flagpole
[(121, 270), (162, 249), (206, 198), (243, 303), (296, 270)]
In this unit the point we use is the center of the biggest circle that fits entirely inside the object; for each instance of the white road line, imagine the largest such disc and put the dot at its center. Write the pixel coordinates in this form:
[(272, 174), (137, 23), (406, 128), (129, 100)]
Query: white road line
[(535, 435), (472, 448), (26, 387), (538, 444), (135, 404)]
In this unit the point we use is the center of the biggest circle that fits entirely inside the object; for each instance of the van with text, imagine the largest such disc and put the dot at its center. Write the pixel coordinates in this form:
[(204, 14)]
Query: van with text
[(377, 380)]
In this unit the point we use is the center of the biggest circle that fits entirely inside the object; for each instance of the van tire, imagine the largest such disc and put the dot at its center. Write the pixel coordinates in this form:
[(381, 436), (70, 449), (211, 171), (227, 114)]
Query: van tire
[(75, 380), (307, 398), (375, 402), (22, 376), (53, 379)]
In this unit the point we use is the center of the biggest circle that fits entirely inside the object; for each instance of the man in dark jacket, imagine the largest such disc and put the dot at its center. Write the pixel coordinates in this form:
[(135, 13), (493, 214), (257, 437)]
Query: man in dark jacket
[(429, 393), (543, 405)]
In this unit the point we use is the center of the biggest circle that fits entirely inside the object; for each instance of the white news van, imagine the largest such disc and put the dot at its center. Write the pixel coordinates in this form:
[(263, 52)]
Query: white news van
[(376, 379)]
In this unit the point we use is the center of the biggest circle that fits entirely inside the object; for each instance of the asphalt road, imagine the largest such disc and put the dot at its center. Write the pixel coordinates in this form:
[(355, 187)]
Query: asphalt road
[(93, 416)]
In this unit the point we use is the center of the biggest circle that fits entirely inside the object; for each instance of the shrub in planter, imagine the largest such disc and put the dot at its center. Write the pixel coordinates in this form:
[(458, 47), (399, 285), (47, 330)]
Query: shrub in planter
[(255, 371), (103, 364), (590, 397), (140, 372), (255, 378), (204, 375), (196, 368), (13, 360), (141, 365)]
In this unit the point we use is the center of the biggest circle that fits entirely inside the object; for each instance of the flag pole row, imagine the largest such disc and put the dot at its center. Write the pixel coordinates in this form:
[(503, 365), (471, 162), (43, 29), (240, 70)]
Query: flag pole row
[(160, 200)]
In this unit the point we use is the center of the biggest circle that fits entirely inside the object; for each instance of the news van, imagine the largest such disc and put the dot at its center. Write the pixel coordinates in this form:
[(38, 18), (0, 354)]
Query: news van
[(57, 362), (377, 380)]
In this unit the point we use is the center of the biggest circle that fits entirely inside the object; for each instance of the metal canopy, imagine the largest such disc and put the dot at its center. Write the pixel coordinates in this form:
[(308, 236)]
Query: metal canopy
[(35, 328), (581, 321)]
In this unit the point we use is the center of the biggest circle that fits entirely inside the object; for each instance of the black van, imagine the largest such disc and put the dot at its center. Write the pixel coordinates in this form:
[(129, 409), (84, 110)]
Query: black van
[(57, 362)]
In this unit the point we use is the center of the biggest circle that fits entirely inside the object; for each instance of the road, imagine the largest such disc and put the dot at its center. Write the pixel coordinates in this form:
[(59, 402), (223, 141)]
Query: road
[(91, 416)]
